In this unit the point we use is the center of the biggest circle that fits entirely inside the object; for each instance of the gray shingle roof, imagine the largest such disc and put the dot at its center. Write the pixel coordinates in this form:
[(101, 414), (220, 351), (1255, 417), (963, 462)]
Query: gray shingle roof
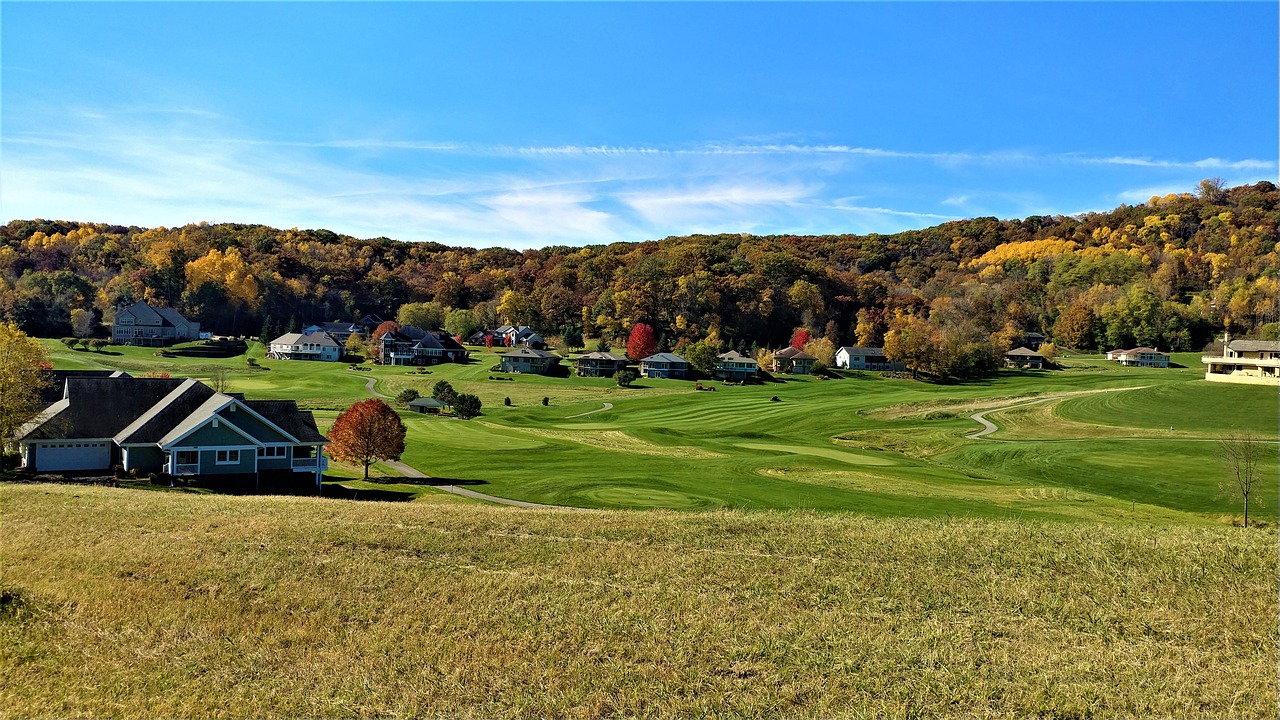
[(600, 355), (150, 426), (285, 414), (102, 407), (528, 352), (1023, 352), (855, 350), (1255, 345), (791, 353), (666, 358)]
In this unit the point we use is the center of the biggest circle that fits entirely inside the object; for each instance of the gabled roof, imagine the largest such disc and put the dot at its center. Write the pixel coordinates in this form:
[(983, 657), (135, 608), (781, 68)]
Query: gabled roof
[(172, 408), (172, 316), (734, 356), (600, 355), (143, 313), (285, 415), (666, 358), (1255, 345), (1023, 352), (791, 353), (426, 402), (448, 343), (317, 338), (856, 350), (524, 351), (101, 407)]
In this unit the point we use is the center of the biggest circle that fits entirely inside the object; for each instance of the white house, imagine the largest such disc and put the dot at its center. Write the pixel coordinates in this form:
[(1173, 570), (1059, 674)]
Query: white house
[(296, 346), (865, 358)]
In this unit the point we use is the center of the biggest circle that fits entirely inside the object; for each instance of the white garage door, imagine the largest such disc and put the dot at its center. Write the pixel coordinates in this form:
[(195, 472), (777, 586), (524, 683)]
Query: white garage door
[(62, 456)]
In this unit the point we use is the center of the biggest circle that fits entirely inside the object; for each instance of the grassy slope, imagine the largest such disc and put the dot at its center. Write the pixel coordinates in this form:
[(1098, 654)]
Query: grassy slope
[(1101, 456), (122, 603)]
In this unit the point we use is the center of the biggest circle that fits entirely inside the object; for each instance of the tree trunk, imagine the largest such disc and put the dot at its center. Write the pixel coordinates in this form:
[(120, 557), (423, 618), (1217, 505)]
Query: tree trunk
[(366, 470)]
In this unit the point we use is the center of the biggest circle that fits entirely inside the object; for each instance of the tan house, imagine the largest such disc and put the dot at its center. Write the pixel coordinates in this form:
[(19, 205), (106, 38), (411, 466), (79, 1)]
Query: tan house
[(793, 360), (1024, 358), (1250, 362)]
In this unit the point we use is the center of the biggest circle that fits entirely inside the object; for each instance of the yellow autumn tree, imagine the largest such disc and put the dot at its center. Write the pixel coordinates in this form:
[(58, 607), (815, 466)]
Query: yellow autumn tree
[(23, 362), (230, 271)]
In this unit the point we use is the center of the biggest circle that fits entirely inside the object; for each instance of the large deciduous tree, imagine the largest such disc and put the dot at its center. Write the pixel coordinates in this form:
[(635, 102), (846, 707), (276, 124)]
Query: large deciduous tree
[(367, 432), (641, 344), (1077, 327), (23, 363)]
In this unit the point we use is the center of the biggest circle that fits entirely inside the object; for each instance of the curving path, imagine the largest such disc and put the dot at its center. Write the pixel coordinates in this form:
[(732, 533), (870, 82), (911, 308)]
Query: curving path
[(410, 472), (369, 386), (607, 406), (989, 427)]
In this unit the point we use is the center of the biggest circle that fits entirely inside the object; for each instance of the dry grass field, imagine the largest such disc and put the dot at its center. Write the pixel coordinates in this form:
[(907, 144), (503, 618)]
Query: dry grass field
[(125, 603)]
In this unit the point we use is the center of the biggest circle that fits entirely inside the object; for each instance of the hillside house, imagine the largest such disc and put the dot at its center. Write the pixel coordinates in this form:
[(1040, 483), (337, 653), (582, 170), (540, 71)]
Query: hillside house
[(664, 365), (516, 335), (1140, 357), (181, 427), (865, 358), (414, 346), (297, 346), (142, 324), (1249, 362), (793, 361), (340, 331), (529, 360), (1024, 358), (600, 364), (734, 366), (1032, 340)]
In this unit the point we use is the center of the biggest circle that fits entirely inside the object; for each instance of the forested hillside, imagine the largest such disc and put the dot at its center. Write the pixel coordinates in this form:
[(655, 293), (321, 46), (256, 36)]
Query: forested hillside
[(1167, 273)]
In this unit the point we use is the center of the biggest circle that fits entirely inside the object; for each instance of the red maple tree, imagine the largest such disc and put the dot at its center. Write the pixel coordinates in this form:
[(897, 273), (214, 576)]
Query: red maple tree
[(641, 343), (384, 328), (367, 432), (799, 339)]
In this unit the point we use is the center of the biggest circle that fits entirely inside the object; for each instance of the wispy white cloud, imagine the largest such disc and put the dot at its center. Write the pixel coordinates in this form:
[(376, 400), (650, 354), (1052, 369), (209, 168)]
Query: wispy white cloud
[(186, 165)]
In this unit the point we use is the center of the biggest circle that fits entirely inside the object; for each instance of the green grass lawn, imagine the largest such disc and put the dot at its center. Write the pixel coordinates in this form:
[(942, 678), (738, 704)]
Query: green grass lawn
[(863, 443)]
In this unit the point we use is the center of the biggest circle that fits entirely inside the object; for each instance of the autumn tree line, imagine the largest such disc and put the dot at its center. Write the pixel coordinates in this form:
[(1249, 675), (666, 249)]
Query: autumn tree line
[(1168, 273)]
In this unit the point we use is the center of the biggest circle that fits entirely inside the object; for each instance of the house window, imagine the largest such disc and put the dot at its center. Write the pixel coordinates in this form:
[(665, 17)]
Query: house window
[(271, 452), (188, 457), (228, 457)]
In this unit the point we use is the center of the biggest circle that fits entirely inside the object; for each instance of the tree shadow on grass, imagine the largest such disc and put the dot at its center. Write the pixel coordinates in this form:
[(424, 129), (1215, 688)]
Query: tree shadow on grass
[(430, 482), (338, 491)]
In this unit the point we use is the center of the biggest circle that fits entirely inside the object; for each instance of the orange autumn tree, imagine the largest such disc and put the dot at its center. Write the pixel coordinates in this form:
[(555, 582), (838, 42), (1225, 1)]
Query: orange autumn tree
[(367, 432)]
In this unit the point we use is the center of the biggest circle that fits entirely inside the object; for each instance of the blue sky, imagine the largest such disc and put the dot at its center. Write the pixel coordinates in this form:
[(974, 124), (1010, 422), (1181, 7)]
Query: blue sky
[(530, 124)]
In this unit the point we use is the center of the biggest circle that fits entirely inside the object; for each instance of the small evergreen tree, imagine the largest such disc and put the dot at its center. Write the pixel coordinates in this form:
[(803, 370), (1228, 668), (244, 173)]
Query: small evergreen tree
[(466, 406)]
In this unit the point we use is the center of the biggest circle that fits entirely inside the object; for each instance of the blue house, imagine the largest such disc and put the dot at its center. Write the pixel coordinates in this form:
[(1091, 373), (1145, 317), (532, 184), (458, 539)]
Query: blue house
[(664, 365), (180, 427)]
